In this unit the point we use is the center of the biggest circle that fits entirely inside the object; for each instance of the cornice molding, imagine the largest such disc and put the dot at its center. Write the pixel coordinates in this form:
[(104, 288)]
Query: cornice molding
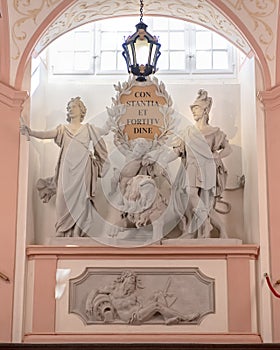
[(35, 252), (270, 98), (11, 97)]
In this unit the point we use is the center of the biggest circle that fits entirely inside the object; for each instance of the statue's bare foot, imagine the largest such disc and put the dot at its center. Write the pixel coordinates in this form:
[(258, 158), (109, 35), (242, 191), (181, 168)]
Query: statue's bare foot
[(192, 317), (173, 320)]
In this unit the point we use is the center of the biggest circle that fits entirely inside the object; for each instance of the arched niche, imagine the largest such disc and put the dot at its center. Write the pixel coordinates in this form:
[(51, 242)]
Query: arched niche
[(70, 14), (251, 124), (230, 109)]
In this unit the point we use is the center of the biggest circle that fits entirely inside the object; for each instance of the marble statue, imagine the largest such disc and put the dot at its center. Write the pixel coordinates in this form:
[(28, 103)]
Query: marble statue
[(77, 170), (143, 193), (141, 201), (140, 185), (202, 176), (135, 153), (120, 301), (143, 205)]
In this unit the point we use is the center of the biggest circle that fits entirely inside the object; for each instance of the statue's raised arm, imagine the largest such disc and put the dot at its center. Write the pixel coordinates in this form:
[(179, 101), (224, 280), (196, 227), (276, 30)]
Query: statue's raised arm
[(25, 130), (77, 170)]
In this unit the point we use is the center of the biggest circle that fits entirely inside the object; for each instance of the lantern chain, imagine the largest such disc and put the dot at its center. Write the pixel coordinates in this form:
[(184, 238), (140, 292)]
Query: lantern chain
[(141, 10)]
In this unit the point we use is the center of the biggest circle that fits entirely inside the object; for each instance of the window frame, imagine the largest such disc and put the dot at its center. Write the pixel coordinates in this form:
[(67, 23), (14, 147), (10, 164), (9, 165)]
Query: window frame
[(189, 51)]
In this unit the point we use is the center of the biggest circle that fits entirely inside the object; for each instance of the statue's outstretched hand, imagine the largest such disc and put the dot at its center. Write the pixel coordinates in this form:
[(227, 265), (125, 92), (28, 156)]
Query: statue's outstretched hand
[(24, 129)]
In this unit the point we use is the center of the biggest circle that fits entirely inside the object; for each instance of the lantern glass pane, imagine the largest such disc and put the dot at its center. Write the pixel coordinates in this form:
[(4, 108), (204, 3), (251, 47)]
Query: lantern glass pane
[(142, 51), (131, 54), (153, 53)]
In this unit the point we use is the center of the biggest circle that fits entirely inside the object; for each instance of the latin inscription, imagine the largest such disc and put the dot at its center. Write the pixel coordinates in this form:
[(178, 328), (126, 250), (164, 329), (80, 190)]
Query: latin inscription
[(143, 117)]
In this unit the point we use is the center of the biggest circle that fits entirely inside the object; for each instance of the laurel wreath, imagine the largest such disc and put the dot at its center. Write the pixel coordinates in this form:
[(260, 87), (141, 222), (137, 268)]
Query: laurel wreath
[(118, 109)]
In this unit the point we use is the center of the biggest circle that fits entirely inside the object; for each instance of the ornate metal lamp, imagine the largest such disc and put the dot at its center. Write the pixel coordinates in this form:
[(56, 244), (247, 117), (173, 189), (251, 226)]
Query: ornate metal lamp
[(141, 50)]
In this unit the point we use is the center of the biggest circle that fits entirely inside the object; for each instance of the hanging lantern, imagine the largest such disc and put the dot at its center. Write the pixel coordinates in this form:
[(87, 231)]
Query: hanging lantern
[(141, 50)]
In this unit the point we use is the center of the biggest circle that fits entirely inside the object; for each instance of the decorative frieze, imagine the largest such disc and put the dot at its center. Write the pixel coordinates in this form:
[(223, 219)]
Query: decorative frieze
[(142, 296)]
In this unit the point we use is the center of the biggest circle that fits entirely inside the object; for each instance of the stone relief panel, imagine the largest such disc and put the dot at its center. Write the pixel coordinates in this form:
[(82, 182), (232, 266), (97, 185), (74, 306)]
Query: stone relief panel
[(142, 296)]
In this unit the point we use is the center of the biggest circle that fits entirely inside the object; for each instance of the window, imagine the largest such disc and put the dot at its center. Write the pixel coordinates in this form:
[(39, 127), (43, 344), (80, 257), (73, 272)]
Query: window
[(211, 52), (73, 52), (186, 48), (110, 35)]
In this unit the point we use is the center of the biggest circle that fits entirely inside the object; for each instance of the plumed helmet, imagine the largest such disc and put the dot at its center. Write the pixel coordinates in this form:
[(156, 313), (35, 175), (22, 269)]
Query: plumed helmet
[(203, 101)]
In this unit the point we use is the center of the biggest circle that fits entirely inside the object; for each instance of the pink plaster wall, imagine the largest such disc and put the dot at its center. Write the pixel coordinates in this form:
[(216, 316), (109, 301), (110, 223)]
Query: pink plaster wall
[(5, 47), (239, 294), (239, 289), (271, 100), (10, 102), (44, 294)]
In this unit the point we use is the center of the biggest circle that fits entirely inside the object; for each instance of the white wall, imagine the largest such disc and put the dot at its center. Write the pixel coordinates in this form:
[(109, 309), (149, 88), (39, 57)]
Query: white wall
[(49, 110), (249, 149)]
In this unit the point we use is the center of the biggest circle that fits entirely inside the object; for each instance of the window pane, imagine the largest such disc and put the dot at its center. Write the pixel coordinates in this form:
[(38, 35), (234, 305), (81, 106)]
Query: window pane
[(203, 60), (121, 64), (63, 62), (177, 60), (125, 23), (120, 39), (160, 24), (203, 40), (177, 41), (219, 42), (220, 60), (163, 40), (163, 61), (82, 40), (108, 61), (176, 24), (82, 61), (73, 52), (108, 40), (65, 42)]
